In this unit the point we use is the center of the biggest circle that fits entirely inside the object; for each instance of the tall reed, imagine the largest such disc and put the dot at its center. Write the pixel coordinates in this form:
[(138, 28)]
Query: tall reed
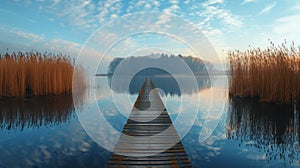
[(36, 74), (270, 75)]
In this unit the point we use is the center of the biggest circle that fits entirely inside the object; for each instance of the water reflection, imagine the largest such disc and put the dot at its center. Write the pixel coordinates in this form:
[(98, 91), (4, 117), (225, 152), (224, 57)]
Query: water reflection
[(162, 80), (272, 128), (33, 112)]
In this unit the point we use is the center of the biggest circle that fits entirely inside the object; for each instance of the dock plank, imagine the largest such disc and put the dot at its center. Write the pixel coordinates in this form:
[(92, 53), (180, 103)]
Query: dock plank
[(148, 130)]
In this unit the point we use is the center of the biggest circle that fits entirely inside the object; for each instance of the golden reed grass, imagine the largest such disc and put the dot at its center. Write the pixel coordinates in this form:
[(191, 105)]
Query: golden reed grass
[(270, 75), (36, 74)]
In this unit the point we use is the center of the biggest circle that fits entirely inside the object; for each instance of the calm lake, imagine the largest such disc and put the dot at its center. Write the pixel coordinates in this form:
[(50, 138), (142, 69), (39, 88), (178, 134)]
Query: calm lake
[(46, 131)]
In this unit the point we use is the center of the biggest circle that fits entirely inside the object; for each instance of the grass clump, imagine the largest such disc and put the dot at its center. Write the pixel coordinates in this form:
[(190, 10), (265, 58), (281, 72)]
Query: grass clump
[(270, 75), (32, 73)]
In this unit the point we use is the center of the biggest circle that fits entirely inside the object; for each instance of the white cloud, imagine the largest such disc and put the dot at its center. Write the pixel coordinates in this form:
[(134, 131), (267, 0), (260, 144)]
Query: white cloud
[(77, 13), (295, 8), (89, 14), (124, 47), (162, 20), (26, 41), (143, 5), (213, 32), (32, 37), (80, 13), (113, 16), (21, 35), (156, 3), (62, 46), (247, 1), (187, 2), (212, 2), (213, 12), (172, 9), (148, 6), (287, 26), (267, 8), (230, 19)]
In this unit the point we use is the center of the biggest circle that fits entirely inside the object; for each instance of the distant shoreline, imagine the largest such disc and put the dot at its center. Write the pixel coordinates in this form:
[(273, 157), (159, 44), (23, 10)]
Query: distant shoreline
[(165, 75), (102, 75)]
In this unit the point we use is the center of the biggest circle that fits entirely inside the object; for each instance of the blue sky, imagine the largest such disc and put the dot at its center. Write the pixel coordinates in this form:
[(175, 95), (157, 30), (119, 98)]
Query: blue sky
[(64, 26)]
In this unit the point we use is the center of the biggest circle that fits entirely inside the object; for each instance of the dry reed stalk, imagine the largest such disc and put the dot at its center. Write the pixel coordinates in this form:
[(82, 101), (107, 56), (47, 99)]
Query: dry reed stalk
[(271, 75), (37, 74)]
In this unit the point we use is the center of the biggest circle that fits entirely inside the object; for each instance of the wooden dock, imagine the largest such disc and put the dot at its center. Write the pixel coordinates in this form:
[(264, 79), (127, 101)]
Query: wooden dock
[(149, 138)]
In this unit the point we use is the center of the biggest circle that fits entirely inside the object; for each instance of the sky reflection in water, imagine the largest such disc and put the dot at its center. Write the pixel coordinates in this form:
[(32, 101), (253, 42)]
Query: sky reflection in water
[(249, 133)]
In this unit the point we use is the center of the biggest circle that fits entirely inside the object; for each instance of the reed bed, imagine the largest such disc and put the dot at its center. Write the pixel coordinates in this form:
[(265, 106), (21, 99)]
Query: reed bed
[(270, 75), (32, 73)]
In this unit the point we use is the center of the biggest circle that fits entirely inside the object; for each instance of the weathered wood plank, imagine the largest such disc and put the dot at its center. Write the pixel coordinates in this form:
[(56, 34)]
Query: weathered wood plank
[(148, 130)]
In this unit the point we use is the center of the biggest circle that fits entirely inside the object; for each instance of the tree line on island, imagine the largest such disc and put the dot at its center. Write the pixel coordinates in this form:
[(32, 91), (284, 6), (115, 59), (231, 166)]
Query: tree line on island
[(163, 70), (196, 65)]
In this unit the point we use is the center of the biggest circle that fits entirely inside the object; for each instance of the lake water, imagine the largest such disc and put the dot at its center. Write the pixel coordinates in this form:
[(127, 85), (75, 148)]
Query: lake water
[(46, 132)]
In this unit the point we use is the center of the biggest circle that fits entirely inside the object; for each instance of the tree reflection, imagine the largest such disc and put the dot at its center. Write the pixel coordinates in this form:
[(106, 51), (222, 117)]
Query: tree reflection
[(272, 128), (162, 80), (34, 112)]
